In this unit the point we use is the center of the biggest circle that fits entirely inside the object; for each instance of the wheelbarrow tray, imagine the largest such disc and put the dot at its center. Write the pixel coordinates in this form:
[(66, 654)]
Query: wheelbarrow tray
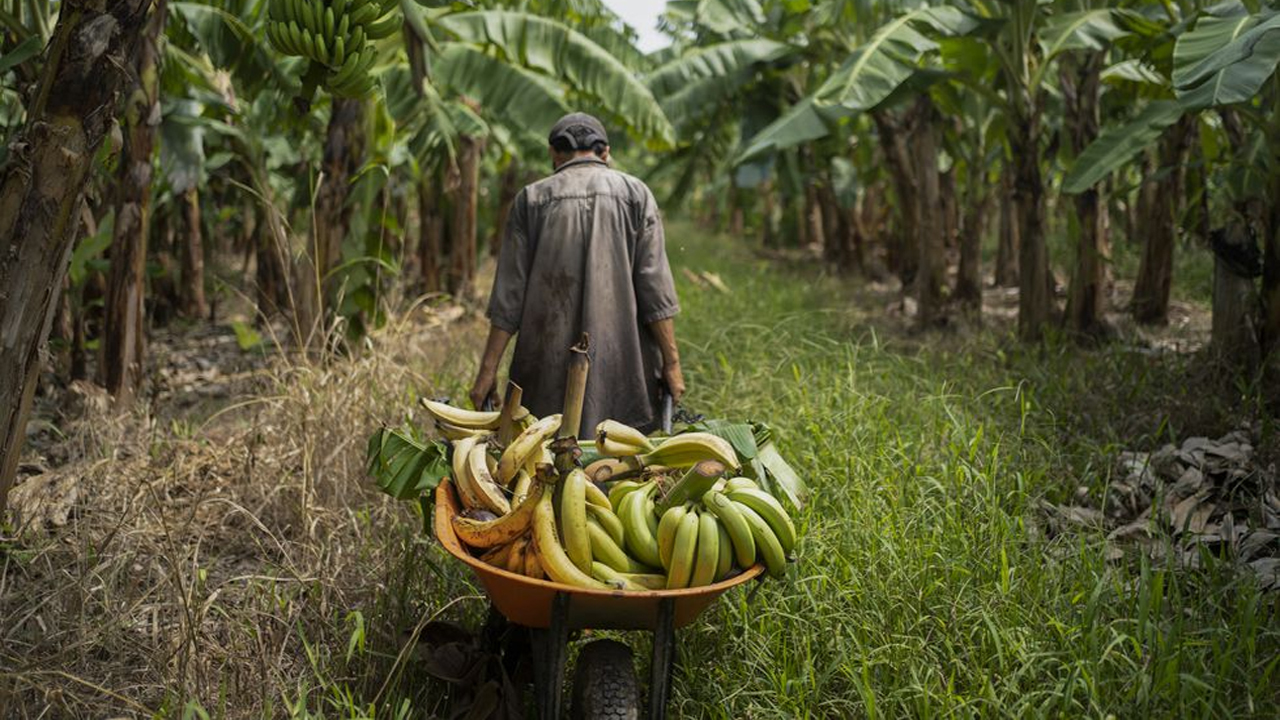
[(526, 601)]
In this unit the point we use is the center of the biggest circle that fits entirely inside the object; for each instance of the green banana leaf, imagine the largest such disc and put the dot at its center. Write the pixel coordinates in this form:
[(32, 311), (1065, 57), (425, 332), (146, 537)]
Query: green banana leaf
[(695, 84), (403, 466), (730, 17), (518, 97), (1226, 60), (1117, 145), (553, 48), (1087, 30)]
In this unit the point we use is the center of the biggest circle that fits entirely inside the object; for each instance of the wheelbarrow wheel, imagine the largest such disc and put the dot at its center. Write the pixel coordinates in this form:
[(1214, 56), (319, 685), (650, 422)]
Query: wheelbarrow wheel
[(604, 684)]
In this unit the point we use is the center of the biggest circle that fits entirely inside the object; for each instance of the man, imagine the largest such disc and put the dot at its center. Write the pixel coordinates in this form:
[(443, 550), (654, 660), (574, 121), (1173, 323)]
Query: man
[(584, 251)]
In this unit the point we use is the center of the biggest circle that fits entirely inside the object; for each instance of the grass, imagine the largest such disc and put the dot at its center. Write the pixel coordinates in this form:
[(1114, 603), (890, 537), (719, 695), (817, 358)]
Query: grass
[(241, 566)]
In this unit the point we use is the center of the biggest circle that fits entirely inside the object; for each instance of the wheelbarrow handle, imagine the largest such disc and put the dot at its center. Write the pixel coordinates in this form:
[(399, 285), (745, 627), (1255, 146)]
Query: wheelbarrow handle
[(668, 407)]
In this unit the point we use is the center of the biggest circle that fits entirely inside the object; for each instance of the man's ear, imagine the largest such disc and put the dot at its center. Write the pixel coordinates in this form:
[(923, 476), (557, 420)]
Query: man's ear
[(605, 155)]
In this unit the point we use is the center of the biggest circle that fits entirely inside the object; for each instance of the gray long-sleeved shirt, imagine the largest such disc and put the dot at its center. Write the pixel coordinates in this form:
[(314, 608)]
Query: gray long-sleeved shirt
[(584, 250)]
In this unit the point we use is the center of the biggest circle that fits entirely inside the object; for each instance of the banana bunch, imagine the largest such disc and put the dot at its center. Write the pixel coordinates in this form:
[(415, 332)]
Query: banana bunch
[(335, 36), (643, 534)]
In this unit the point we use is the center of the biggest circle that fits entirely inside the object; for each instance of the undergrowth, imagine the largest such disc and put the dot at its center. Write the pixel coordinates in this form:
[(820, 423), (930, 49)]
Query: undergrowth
[(246, 568)]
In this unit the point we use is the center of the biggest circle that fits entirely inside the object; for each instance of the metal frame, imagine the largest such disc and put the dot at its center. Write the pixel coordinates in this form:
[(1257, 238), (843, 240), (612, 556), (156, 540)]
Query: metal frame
[(550, 651)]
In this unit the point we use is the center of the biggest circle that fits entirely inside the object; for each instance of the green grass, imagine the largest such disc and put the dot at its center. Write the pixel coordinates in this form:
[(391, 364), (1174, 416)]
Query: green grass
[(925, 585)]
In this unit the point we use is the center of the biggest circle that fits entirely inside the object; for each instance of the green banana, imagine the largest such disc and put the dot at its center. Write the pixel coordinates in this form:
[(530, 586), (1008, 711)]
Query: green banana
[(384, 28), (365, 14), (602, 572), (605, 550), (340, 8), (304, 18), (684, 552), (358, 42), (528, 442), (322, 51), (740, 483), (768, 507), (609, 521), (551, 554), (596, 496), (619, 490), (688, 448), (339, 53), (641, 542), (295, 37), (668, 525), (329, 24), (744, 544), (767, 545), (708, 553), (573, 519), (344, 74), (725, 563)]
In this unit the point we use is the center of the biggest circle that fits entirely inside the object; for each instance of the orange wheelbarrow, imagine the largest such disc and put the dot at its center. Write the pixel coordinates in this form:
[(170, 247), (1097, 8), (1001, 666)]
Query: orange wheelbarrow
[(604, 679)]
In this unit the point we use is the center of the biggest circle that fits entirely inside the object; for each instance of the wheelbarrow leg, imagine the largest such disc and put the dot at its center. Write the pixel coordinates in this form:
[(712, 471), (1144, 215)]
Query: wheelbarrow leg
[(549, 652), (664, 654)]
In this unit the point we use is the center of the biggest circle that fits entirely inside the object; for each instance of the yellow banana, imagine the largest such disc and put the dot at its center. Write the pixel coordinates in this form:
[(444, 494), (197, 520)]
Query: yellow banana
[(551, 555), (609, 521), (462, 473), (602, 572), (730, 516), (521, 488), (683, 553), (613, 469), (482, 481), (596, 496), (573, 519), (526, 444), (767, 545), (491, 533), (688, 448), (768, 507), (636, 515), (668, 525), (708, 554), (473, 419), (515, 559), (615, 439)]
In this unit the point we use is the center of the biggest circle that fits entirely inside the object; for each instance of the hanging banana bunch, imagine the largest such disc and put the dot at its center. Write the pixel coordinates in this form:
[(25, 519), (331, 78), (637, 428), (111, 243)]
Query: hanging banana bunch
[(335, 36)]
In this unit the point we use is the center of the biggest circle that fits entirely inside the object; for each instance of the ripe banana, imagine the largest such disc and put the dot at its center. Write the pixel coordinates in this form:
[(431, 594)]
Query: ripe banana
[(525, 445), (454, 433), (573, 519), (609, 521), (684, 552), (730, 517), (497, 556), (636, 515), (515, 560), (532, 566), (613, 469), (767, 545), (668, 525), (551, 555), (459, 417), (502, 530), (708, 554), (768, 507), (482, 481), (596, 496), (462, 475), (620, 440), (684, 450), (521, 488)]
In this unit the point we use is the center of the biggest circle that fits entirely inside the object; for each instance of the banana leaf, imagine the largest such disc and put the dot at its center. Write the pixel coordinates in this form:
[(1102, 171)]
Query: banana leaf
[(405, 467)]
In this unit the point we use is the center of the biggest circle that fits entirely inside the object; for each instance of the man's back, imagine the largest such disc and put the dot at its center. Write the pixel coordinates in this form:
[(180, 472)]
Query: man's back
[(585, 251)]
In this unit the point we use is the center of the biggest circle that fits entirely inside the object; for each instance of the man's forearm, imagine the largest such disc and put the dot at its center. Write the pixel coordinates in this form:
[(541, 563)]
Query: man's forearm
[(664, 331), (494, 347)]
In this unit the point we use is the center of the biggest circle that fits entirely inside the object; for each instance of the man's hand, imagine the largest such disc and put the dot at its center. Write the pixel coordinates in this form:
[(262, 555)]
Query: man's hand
[(484, 389), (674, 378)]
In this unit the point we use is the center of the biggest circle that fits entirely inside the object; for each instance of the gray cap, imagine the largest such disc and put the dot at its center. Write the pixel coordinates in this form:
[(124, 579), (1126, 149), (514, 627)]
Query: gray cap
[(580, 130)]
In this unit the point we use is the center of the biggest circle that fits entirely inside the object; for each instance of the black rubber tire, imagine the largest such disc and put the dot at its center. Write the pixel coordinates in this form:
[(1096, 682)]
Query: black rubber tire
[(604, 683)]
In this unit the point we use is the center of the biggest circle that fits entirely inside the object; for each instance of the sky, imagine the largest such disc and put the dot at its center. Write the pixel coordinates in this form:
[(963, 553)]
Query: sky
[(643, 16)]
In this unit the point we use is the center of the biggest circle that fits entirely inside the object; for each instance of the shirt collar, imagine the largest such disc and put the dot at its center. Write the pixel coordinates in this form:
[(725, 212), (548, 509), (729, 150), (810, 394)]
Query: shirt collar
[(584, 160)]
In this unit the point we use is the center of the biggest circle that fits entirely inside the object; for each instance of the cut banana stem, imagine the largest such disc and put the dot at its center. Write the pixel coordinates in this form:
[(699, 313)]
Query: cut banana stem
[(696, 482)]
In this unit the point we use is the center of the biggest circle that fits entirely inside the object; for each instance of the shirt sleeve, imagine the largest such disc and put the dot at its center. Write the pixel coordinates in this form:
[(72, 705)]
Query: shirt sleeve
[(506, 300), (655, 290)]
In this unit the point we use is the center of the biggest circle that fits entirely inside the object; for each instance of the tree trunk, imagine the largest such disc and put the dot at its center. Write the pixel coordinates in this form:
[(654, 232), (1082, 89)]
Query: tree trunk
[(972, 227), (41, 188), (737, 214), (193, 303), (317, 284), (462, 245), (507, 191), (1155, 272), (124, 341), (931, 212), (430, 234), (767, 237), (1008, 247), (1035, 286), (1086, 298), (895, 136)]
